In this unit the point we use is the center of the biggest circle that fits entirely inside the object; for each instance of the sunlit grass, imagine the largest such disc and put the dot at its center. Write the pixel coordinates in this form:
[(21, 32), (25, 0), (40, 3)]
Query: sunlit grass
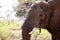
[(6, 32), (6, 25), (43, 35)]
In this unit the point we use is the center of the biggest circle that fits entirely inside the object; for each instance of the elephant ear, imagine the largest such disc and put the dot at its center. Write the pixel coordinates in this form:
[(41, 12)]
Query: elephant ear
[(45, 17)]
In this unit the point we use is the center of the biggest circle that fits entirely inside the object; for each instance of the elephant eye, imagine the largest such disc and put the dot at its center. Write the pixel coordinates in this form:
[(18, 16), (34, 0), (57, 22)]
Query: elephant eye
[(41, 14), (41, 20)]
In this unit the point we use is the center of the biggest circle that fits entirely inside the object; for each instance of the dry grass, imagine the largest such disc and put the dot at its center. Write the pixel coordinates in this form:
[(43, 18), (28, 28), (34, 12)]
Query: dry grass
[(44, 35), (15, 33)]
